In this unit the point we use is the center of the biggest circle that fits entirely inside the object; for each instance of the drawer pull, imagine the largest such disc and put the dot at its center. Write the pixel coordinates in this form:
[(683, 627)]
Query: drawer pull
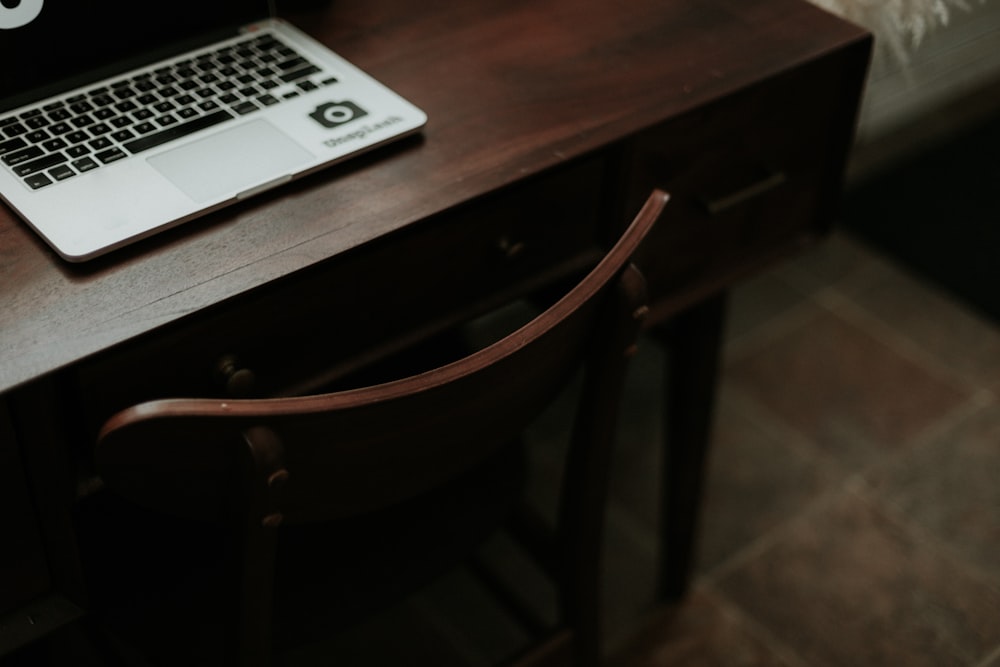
[(237, 381), (717, 205), (510, 250)]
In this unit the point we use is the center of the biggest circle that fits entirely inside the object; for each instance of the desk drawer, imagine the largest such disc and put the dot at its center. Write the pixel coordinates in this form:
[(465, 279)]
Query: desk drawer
[(294, 333), (750, 176)]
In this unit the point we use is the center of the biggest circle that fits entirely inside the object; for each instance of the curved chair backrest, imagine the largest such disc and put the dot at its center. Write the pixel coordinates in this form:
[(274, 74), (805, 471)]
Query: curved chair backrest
[(328, 456)]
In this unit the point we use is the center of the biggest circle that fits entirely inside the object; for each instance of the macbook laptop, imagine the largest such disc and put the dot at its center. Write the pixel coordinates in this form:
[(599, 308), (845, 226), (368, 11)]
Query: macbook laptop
[(119, 119)]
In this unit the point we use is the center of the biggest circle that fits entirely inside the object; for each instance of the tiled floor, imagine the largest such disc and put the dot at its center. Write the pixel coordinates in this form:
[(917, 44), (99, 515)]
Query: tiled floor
[(852, 506)]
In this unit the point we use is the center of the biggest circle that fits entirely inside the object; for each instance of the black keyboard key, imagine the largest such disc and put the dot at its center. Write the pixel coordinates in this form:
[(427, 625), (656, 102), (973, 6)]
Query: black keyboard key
[(37, 136), (42, 163), (77, 137), (24, 155), (85, 164), (77, 151), (61, 173), (244, 108), (36, 181), (53, 145), (179, 130), (14, 129), (36, 122), (12, 145), (111, 155), (9, 120), (101, 143), (294, 75)]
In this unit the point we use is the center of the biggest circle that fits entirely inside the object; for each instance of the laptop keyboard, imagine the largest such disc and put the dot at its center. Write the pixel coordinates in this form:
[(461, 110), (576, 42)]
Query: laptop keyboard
[(70, 136)]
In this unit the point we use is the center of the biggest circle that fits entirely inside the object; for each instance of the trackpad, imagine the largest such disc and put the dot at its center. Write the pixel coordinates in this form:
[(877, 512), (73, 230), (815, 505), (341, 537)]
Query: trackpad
[(231, 161)]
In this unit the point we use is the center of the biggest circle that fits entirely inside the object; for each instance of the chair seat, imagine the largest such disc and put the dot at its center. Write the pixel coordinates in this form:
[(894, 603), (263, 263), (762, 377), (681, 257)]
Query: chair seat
[(323, 583)]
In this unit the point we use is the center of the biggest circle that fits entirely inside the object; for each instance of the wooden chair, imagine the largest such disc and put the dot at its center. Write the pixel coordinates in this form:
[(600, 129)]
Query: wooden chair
[(263, 466)]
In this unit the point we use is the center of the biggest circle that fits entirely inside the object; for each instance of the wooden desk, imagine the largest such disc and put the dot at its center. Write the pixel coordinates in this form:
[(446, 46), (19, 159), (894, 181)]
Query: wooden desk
[(743, 110)]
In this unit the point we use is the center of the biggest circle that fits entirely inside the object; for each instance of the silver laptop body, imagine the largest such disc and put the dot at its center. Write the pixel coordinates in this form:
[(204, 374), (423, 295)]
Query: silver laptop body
[(122, 155)]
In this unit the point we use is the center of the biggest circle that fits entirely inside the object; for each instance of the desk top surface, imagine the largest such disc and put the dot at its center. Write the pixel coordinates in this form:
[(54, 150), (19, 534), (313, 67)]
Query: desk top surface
[(510, 90)]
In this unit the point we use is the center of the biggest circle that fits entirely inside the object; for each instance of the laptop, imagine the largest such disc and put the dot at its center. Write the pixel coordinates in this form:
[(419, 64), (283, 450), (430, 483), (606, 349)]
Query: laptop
[(119, 119)]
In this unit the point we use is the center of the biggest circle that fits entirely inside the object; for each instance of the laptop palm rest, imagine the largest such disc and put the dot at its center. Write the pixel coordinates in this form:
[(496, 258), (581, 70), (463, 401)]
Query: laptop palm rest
[(231, 161)]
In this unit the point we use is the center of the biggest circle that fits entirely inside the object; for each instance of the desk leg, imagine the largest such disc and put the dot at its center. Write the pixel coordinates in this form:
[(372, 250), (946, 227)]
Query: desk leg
[(693, 341)]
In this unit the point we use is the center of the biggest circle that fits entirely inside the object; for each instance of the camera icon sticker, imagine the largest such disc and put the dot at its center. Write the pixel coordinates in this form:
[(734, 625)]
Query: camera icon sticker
[(332, 114), (18, 13)]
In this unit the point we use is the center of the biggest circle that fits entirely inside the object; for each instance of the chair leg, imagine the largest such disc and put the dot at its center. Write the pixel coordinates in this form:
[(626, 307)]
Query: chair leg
[(693, 339)]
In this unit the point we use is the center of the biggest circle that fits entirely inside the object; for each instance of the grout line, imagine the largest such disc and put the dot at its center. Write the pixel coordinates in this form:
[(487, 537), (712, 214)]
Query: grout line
[(992, 658), (773, 535), (755, 628)]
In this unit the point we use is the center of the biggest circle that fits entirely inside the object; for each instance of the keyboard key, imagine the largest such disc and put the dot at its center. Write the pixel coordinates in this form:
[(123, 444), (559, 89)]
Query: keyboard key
[(77, 151), (18, 157), (42, 163), (61, 173), (300, 73), (12, 145), (37, 181), (14, 129), (244, 108), (85, 164), (179, 130), (53, 145), (111, 155)]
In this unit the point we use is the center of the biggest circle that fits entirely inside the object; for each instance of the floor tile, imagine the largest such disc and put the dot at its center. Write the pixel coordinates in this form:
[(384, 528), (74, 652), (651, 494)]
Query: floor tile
[(702, 632), (949, 487), (847, 391), (958, 337), (849, 586), (755, 481)]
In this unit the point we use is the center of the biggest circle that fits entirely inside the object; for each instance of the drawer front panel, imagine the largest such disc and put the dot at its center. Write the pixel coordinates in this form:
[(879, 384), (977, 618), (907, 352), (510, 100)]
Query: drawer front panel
[(296, 333), (750, 176)]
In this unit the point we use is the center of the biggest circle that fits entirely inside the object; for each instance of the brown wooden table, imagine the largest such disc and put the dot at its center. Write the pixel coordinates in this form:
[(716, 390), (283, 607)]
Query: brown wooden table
[(549, 122)]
